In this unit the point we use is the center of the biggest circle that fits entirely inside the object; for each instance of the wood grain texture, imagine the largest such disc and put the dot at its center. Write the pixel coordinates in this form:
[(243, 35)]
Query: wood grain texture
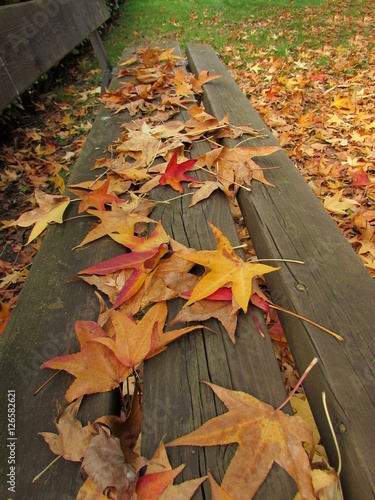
[(36, 35), (175, 401), (332, 287), (41, 327)]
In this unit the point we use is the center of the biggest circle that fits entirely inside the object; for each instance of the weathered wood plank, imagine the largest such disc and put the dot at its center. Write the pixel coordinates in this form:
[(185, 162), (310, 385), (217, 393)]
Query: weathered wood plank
[(36, 35), (175, 401), (332, 288), (41, 327)]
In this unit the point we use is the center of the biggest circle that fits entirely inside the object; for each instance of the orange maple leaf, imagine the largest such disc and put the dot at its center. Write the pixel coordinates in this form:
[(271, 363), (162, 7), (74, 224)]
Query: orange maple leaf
[(132, 341), (157, 482), (95, 367), (119, 221), (96, 198), (203, 77), (227, 269), (264, 436)]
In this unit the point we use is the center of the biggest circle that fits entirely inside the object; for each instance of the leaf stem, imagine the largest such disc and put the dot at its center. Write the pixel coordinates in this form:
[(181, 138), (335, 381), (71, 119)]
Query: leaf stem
[(311, 322), (254, 259), (174, 198), (332, 432), (46, 468), (46, 382), (225, 179), (306, 372)]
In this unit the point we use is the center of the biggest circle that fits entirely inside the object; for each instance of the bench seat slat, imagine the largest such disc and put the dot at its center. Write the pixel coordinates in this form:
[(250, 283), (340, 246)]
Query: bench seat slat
[(332, 288), (42, 326), (175, 402)]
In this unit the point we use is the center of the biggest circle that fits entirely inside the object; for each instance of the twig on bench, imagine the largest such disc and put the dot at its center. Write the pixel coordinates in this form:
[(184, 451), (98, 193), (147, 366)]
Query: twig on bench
[(46, 382), (311, 322), (306, 372)]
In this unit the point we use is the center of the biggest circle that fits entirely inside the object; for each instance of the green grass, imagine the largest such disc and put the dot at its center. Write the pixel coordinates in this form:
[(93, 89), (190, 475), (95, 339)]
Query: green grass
[(280, 27)]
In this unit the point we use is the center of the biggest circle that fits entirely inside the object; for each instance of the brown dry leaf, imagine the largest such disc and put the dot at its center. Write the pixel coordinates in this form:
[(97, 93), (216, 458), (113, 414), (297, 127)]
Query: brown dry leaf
[(232, 167), (72, 439), (89, 491), (264, 436), (105, 463), (222, 310), (51, 209)]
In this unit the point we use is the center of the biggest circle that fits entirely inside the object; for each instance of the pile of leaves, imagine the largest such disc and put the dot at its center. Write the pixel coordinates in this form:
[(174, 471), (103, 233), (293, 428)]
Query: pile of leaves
[(152, 270)]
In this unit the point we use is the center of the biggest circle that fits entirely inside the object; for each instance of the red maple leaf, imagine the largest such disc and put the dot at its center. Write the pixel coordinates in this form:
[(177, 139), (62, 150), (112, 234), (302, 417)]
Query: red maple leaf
[(360, 178), (175, 173)]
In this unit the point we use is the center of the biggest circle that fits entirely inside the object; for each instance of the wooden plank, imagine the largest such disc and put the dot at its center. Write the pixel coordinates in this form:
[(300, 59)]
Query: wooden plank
[(36, 35), (175, 401), (41, 327), (332, 288)]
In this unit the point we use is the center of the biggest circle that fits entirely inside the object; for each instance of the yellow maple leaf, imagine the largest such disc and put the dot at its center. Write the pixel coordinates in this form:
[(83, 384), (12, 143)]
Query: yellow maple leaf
[(337, 205), (51, 209), (226, 269)]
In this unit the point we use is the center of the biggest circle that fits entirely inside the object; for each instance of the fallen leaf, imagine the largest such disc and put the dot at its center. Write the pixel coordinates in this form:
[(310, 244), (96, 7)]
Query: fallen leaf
[(95, 367), (175, 173), (89, 491), (4, 316), (72, 439), (264, 436), (115, 222), (337, 204), (157, 482), (51, 209), (217, 492), (105, 463), (95, 198), (226, 268), (203, 77), (223, 310)]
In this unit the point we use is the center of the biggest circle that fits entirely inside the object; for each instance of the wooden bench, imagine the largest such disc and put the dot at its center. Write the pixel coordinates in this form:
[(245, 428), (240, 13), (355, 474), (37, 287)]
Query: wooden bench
[(287, 221), (36, 35)]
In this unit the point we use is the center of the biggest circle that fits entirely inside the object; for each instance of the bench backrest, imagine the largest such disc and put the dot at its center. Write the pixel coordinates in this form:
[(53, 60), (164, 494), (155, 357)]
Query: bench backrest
[(36, 35)]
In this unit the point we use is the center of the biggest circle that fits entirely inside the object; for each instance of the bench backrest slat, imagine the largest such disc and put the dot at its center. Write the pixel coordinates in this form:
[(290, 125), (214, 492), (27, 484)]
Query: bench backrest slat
[(36, 35)]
